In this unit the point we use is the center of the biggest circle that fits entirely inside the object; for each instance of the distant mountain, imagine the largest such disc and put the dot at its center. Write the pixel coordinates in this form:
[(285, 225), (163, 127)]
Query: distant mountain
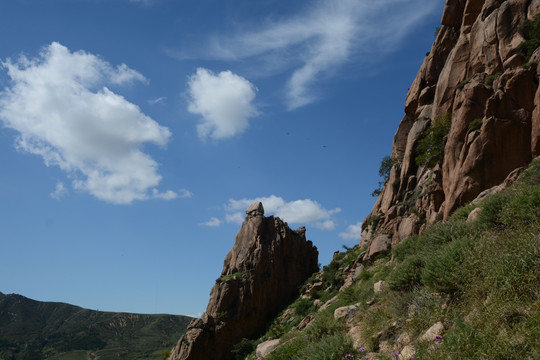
[(32, 329)]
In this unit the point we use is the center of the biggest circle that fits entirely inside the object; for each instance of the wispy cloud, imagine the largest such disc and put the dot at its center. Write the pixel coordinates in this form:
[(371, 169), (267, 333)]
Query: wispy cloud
[(325, 36), (158, 100), (304, 212), (353, 232), (213, 222), (59, 191), (224, 102), (63, 112), (186, 194)]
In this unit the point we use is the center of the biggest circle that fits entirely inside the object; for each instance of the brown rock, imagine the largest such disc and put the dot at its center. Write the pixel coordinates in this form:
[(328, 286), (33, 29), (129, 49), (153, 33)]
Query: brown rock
[(378, 245), (453, 12), (261, 275), (265, 348)]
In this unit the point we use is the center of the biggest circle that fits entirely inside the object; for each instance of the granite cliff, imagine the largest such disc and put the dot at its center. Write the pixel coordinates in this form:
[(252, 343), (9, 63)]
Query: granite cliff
[(261, 275), (472, 117)]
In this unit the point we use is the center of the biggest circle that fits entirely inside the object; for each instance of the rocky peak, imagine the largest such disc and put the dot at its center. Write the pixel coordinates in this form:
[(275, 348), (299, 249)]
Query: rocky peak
[(479, 91), (261, 275)]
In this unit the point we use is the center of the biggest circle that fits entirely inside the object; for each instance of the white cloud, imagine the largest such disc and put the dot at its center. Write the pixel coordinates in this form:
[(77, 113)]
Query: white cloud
[(59, 191), (213, 222), (353, 232), (59, 104), (185, 194), (223, 101), (322, 38), (297, 212)]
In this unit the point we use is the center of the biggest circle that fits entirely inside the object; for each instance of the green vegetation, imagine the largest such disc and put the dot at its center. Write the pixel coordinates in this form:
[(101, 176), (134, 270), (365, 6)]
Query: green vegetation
[(57, 331), (476, 124), (480, 279), (384, 172), (430, 148), (530, 30), (489, 79), (225, 278), (462, 84)]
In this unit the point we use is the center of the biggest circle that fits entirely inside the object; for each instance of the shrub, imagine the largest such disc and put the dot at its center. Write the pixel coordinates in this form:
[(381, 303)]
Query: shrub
[(489, 80), (430, 149), (476, 124), (333, 347), (384, 172), (243, 348), (442, 271), (530, 30), (303, 307), (407, 247), (407, 275)]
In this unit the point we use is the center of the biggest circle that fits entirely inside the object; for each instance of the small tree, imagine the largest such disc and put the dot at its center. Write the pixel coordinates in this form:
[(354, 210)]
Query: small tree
[(384, 172)]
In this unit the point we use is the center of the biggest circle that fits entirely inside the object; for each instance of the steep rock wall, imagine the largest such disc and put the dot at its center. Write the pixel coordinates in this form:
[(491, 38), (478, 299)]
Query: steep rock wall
[(476, 75), (261, 274)]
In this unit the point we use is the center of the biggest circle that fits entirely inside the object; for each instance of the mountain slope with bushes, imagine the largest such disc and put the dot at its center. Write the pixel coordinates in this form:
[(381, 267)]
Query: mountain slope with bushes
[(466, 288), (46, 330)]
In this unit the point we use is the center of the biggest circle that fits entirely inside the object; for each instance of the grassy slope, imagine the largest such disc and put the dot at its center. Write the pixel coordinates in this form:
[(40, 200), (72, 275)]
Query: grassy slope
[(480, 279), (39, 330)]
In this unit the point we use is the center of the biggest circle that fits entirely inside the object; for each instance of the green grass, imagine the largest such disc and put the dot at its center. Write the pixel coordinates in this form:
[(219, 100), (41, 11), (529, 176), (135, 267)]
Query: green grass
[(481, 279)]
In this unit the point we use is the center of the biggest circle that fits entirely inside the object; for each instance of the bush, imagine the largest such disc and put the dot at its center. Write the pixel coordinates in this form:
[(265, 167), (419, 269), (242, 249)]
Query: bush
[(530, 30), (407, 275), (442, 271), (243, 348), (303, 307), (333, 347), (476, 124), (430, 149)]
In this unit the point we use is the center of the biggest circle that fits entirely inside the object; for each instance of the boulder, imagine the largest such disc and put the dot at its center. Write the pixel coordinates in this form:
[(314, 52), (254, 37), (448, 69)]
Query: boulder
[(433, 332), (265, 348)]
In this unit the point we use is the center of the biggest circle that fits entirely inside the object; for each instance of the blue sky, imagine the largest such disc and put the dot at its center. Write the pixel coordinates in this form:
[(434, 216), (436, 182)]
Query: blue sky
[(134, 133)]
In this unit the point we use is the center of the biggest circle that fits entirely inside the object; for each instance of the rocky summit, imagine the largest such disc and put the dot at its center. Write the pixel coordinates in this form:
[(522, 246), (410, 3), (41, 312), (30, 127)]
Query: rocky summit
[(261, 274), (472, 116)]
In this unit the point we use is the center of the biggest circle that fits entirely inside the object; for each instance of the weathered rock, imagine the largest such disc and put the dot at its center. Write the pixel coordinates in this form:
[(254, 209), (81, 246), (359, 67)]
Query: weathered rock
[(379, 286), (346, 312), (261, 274), (474, 215), (265, 348), (475, 73), (378, 245), (408, 352), (433, 332), (328, 303)]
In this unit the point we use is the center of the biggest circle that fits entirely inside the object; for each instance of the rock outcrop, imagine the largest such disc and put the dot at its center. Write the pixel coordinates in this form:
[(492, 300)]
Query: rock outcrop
[(261, 275), (475, 75)]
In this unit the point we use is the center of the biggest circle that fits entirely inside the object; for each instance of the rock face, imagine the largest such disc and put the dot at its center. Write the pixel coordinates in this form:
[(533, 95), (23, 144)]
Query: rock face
[(476, 76), (261, 274)]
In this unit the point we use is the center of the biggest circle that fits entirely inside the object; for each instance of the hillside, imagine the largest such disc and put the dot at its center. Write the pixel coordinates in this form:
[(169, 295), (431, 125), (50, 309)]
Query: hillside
[(466, 288), (47, 330)]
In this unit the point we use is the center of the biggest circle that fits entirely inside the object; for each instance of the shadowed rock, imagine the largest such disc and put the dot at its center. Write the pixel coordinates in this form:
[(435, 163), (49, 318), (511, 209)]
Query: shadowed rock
[(261, 275)]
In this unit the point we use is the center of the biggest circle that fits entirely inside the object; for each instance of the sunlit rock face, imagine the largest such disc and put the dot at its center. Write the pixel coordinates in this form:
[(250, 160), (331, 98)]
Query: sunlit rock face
[(476, 75), (261, 275)]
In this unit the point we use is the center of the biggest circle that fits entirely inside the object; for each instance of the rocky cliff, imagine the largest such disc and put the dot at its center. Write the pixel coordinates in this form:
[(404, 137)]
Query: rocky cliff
[(261, 275), (472, 116)]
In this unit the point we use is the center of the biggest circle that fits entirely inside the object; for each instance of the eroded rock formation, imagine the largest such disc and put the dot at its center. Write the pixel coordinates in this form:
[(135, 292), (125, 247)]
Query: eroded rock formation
[(261, 274), (476, 75)]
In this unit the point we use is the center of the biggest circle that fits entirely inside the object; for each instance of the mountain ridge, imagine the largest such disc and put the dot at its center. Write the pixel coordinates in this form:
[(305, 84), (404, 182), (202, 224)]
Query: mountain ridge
[(34, 329)]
